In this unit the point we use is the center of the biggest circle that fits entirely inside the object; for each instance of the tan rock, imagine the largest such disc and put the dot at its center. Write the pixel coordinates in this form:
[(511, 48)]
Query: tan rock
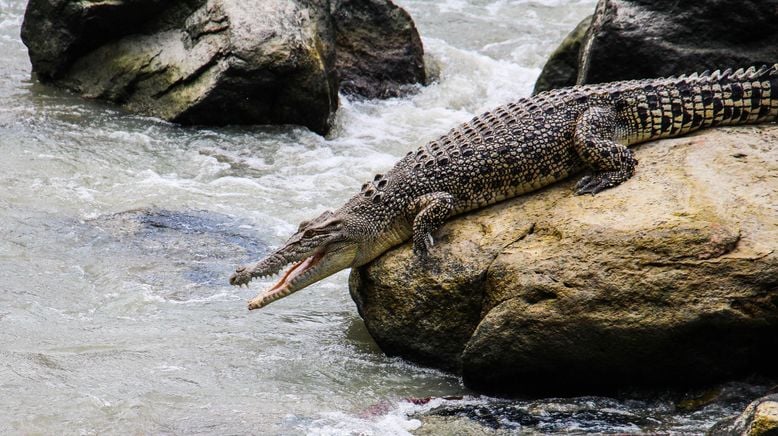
[(670, 278), (760, 418), (765, 420)]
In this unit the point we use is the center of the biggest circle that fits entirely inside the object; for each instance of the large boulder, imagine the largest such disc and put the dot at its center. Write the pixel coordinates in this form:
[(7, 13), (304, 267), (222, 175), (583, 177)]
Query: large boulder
[(379, 52), (223, 61), (668, 279), (634, 39)]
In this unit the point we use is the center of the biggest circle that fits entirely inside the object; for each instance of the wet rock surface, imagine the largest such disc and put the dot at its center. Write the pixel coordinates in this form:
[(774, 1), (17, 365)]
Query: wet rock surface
[(691, 412), (635, 39), (760, 418), (222, 62), (669, 279), (591, 414)]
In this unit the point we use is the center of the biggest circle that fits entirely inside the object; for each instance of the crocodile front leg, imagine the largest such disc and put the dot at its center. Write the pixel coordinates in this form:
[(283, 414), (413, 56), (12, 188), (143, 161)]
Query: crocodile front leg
[(432, 211), (612, 162)]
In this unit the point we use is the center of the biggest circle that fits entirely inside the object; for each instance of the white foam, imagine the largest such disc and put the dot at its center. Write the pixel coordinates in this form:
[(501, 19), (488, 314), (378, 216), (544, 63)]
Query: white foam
[(220, 296), (452, 5), (470, 83), (130, 137), (150, 297), (394, 423)]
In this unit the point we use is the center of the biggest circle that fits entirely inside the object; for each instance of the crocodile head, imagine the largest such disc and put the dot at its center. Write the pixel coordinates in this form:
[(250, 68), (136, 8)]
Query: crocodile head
[(318, 249)]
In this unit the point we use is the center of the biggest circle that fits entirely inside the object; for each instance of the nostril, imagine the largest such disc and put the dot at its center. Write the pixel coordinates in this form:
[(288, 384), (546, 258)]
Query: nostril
[(240, 269)]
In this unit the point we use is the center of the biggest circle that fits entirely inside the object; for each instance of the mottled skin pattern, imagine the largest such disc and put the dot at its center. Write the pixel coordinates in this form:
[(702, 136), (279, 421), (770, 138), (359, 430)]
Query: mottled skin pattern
[(516, 148)]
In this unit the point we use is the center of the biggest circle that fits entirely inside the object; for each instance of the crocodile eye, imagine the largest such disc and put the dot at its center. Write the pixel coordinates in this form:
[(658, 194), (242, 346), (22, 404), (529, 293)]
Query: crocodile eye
[(303, 225)]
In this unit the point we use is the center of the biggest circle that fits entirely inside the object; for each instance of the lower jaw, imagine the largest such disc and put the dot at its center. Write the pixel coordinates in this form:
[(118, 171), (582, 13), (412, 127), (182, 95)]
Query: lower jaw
[(255, 303), (268, 297), (281, 288)]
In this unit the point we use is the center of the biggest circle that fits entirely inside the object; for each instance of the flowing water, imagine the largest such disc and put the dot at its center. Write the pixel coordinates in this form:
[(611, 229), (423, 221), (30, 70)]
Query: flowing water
[(118, 233)]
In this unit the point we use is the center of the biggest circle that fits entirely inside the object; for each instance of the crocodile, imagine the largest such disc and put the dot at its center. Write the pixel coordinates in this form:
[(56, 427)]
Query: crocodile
[(514, 149)]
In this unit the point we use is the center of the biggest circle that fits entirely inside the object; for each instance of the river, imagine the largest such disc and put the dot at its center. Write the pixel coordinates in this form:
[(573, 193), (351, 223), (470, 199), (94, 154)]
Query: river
[(118, 233)]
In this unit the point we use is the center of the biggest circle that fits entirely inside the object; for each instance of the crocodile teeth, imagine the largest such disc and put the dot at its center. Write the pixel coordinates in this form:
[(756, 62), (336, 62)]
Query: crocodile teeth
[(285, 285)]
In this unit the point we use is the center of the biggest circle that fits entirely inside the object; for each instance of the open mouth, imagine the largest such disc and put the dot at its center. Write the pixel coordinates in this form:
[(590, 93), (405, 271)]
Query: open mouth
[(285, 284)]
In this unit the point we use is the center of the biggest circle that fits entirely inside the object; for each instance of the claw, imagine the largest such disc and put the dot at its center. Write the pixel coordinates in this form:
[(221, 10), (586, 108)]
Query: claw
[(593, 184), (583, 182)]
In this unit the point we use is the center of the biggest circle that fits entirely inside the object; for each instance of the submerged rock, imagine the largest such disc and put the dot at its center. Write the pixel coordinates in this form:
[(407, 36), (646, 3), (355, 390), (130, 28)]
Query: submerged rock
[(196, 243), (760, 418), (631, 412), (634, 39), (585, 414), (224, 61), (668, 279)]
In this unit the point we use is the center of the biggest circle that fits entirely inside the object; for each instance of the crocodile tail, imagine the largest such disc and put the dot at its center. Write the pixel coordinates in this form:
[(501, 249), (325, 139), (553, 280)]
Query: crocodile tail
[(743, 96), (739, 75), (677, 105), (747, 95)]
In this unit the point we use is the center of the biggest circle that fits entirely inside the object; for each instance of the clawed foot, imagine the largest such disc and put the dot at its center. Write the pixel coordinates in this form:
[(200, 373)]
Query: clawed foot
[(594, 183), (241, 276)]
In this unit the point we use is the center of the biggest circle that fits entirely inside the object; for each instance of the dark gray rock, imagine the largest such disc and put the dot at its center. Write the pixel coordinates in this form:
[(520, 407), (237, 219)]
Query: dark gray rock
[(224, 61), (634, 39), (561, 69), (57, 32), (379, 52), (199, 62), (195, 244), (640, 38), (552, 416)]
